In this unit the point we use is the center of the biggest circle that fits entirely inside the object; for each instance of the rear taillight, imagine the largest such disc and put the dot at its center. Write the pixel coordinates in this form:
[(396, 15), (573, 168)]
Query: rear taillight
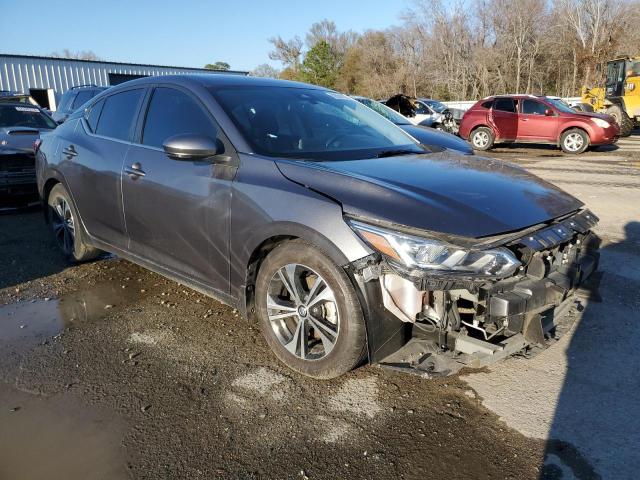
[(36, 145)]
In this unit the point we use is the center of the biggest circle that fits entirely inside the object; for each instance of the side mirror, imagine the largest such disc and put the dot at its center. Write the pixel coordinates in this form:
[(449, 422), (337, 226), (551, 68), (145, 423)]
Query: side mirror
[(548, 112), (191, 146)]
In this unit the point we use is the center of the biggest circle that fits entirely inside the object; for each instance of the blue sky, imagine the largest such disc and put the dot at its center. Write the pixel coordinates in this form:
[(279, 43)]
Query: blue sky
[(182, 33)]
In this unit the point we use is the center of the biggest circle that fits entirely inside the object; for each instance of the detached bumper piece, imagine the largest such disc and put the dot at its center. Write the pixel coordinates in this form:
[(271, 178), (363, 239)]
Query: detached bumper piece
[(476, 324)]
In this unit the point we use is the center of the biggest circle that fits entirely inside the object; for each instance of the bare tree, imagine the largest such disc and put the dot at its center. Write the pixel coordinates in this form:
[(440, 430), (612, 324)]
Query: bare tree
[(80, 55), (467, 49), (288, 52), (265, 70)]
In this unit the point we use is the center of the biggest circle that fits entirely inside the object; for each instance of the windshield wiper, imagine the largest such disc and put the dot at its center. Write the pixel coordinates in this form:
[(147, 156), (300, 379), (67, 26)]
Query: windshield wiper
[(397, 153)]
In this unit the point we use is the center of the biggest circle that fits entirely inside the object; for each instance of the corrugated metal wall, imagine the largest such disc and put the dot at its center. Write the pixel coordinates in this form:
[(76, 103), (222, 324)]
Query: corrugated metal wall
[(20, 73)]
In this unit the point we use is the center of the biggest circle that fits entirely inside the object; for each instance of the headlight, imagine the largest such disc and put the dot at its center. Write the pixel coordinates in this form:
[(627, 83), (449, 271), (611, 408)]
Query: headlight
[(601, 123), (428, 254)]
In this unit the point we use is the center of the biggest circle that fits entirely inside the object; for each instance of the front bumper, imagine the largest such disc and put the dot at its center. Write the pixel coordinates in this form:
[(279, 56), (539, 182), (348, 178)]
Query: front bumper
[(482, 321), (605, 136), (18, 188)]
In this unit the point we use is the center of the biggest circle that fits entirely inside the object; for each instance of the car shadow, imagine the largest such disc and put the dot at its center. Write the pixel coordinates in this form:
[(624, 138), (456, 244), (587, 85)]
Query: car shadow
[(511, 147), (595, 432), (27, 248)]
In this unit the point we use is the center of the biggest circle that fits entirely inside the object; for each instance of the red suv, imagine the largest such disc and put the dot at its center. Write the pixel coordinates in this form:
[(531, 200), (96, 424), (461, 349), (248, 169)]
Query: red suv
[(529, 118)]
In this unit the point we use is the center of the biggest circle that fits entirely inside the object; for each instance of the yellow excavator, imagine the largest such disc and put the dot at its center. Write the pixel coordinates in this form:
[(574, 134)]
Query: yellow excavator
[(620, 97)]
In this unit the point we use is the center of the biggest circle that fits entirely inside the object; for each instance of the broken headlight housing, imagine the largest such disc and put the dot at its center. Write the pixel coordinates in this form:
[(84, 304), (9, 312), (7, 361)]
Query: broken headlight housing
[(421, 253)]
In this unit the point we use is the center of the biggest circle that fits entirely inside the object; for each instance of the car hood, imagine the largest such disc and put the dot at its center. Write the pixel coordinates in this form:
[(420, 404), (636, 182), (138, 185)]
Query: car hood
[(431, 136), (455, 194), (603, 116)]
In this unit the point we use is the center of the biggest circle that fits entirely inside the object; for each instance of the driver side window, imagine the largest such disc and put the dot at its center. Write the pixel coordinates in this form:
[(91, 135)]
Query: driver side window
[(531, 107), (172, 112)]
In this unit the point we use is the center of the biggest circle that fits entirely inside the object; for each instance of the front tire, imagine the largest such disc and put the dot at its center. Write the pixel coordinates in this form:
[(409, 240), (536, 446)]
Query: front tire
[(574, 141), (481, 138), (309, 312), (65, 224), (626, 124)]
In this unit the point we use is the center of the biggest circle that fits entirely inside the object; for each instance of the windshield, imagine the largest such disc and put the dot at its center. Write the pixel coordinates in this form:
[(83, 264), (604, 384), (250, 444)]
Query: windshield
[(24, 116), (310, 124), (385, 111), (560, 105), (633, 68), (435, 105)]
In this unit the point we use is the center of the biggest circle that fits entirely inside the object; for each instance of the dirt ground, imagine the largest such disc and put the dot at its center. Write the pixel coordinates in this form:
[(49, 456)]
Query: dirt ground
[(108, 371)]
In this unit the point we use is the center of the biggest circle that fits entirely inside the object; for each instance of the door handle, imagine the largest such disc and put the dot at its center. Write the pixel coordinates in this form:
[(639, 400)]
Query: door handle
[(135, 170), (70, 152), (524, 119)]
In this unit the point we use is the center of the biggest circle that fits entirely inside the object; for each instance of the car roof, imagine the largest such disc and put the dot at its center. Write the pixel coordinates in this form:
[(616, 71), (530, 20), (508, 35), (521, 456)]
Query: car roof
[(217, 80), (18, 104)]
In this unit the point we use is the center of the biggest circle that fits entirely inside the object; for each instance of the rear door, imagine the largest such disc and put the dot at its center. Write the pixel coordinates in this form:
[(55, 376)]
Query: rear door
[(534, 124), (92, 159), (178, 211), (504, 118)]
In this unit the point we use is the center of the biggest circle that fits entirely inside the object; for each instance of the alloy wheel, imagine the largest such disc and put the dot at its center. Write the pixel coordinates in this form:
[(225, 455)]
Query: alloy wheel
[(63, 225), (481, 139), (303, 312), (573, 142)]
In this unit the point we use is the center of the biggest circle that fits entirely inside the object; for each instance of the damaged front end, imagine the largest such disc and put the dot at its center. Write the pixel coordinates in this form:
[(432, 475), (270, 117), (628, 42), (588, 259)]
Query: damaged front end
[(435, 321)]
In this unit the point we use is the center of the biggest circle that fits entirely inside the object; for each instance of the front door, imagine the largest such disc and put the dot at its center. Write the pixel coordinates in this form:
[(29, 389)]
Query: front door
[(534, 123), (178, 212), (504, 117)]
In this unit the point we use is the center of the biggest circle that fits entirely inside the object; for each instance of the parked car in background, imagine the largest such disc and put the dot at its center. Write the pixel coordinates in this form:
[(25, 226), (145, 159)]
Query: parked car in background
[(73, 98), (20, 126), (427, 112), (338, 232), (423, 133), (535, 119), (439, 113), (8, 96)]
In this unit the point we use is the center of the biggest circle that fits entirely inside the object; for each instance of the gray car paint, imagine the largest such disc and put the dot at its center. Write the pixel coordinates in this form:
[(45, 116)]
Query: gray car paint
[(177, 218), (205, 232)]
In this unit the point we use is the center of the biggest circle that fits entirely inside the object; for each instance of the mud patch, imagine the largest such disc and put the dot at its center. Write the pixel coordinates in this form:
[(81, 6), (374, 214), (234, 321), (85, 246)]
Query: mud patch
[(358, 396), (148, 338), (335, 430), (263, 381)]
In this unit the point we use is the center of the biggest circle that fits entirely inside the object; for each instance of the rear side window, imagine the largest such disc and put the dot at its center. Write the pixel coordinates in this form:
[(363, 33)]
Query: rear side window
[(531, 107), (65, 102), (487, 104), (82, 97), (93, 115), (504, 105), (422, 109), (172, 112), (118, 114)]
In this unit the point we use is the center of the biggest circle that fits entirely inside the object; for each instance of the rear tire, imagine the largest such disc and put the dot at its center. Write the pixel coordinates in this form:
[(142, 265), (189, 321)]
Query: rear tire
[(574, 141), (67, 230), (481, 138), (319, 332), (626, 124)]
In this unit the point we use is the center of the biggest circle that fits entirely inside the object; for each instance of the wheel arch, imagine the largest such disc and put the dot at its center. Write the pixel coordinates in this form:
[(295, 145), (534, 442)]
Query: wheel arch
[(263, 244), (576, 126), (481, 125)]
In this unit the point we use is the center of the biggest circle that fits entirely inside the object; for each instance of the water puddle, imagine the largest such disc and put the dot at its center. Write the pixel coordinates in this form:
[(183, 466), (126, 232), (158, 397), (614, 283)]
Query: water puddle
[(28, 323), (57, 438)]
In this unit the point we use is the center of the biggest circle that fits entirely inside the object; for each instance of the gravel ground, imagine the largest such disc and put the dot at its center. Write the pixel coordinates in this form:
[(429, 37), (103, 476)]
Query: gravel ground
[(110, 371)]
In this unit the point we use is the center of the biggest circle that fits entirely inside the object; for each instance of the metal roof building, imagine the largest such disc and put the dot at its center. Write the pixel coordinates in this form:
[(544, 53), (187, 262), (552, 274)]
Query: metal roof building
[(47, 78)]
